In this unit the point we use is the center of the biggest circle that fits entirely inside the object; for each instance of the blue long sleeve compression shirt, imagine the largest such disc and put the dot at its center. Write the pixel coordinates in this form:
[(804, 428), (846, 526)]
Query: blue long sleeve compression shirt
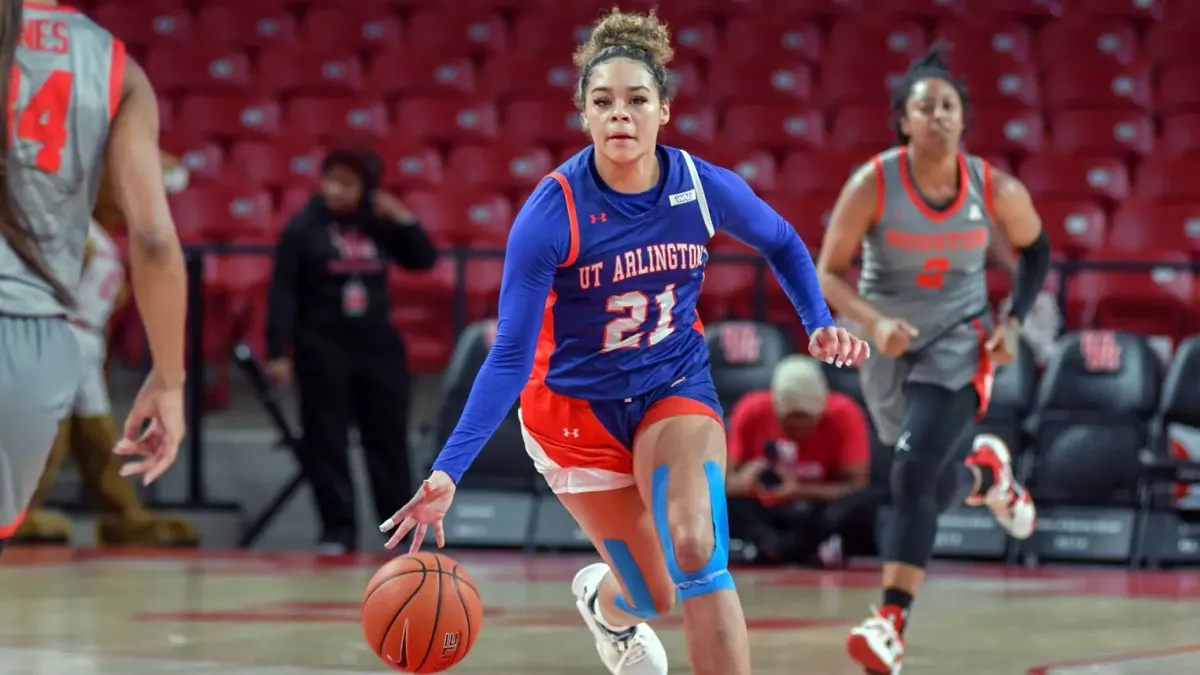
[(540, 241)]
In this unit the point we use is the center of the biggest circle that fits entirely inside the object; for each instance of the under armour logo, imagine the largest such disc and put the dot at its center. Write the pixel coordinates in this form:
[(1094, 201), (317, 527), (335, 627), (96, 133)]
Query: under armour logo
[(570, 433), (603, 217), (902, 444)]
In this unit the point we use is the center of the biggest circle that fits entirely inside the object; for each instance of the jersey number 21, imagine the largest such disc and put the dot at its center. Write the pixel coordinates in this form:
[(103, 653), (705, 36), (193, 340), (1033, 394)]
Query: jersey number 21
[(626, 332), (43, 120)]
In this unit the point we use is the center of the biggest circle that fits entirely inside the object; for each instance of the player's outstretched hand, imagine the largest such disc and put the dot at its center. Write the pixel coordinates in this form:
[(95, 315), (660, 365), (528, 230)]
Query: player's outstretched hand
[(893, 336), (836, 345), (426, 508), (1003, 344)]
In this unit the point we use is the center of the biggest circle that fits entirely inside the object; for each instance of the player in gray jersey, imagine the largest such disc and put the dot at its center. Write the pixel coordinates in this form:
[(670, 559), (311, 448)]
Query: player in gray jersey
[(923, 213), (78, 105)]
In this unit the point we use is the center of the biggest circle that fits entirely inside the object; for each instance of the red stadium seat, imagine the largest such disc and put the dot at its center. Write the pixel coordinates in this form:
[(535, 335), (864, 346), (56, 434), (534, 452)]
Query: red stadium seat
[(869, 85), (922, 9), (1087, 43), (692, 127), (500, 166), (553, 34), (781, 126), (1082, 178), (336, 119), (866, 129), (198, 68), (204, 161), (756, 167), (772, 38), (1000, 131), (293, 200), (1103, 132), (1018, 9), (834, 8), (1152, 301), (1167, 179), (809, 215), (860, 45), (529, 76), (457, 32), (1139, 224), (1182, 10), (1007, 85), (510, 5), (368, 27), (545, 121), (409, 73), (222, 211), (230, 116), (1172, 44), (246, 25), (824, 174), (693, 35), (142, 26), (727, 289), (292, 70), (410, 165), (1177, 90), (481, 286), (996, 43), (278, 163), (463, 218), (1073, 227), (1180, 134), (759, 82), (1139, 10), (443, 120), (1108, 87)]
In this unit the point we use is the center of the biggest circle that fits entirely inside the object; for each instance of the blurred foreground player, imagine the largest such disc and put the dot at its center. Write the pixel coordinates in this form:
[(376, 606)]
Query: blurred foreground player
[(598, 333), (922, 213), (89, 432), (78, 101)]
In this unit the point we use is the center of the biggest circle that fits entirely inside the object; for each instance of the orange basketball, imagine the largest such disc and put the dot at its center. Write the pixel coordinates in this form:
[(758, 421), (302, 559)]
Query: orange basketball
[(422, 613)]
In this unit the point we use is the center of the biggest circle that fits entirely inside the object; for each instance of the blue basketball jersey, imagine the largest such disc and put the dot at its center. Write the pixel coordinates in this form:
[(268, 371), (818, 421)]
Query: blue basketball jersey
[(621, 315)]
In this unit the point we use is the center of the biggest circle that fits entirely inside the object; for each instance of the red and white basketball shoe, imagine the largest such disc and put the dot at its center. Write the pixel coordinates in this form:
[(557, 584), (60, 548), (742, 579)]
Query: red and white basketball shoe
[(876, 644), (1007, 499)]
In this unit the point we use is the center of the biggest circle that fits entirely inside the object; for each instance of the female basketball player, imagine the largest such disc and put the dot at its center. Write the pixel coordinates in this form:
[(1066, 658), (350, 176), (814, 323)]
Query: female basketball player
[(86, 87), (922, 212), (620, 414)]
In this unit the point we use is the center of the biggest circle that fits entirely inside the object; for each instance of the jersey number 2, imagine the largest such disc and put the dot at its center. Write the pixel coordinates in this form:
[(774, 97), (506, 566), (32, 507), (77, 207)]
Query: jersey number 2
[(624, 332), (44, 118), (932, 273)]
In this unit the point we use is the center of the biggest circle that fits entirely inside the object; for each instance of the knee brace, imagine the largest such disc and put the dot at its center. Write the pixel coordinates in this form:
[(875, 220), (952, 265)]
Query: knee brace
[(713, 576)]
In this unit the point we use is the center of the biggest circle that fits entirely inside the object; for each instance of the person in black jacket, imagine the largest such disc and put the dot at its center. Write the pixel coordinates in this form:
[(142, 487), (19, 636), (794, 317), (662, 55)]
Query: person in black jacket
[(328, 321)]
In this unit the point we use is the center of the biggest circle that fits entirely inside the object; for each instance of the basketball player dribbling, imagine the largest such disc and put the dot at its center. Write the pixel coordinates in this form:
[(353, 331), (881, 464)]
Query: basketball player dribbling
[(598, 333), (78, 101), (922, 212)]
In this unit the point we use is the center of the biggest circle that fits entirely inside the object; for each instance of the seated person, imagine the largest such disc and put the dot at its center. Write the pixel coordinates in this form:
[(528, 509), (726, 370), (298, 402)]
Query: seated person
[(799, 462)]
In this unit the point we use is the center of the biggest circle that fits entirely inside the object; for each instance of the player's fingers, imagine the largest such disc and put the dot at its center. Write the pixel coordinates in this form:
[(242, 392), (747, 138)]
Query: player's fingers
[(134, 468), (406, 525), (397, 518), (856, 350), (418, 538), (907, 327), (832, 345), (439, 534), (846, 346)]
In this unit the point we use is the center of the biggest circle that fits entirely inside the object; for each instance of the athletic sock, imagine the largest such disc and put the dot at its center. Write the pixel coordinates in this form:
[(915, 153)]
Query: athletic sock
[(615, 631), (895, 607)]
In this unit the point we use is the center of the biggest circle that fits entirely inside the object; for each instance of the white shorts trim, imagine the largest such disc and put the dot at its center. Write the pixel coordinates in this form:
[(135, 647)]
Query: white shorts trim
[(570, 480)]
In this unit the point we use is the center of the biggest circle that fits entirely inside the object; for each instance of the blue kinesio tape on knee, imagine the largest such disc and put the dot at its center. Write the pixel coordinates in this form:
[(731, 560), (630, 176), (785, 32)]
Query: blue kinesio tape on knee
[(714, 576), (627, 569)]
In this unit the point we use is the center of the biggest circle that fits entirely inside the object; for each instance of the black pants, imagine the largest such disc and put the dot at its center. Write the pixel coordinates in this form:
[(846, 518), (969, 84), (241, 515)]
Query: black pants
[(340, 384), (792, 533)]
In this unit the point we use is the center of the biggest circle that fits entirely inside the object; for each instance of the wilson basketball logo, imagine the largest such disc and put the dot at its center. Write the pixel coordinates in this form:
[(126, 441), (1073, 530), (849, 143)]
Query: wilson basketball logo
[(1101, 351), (740, 344)]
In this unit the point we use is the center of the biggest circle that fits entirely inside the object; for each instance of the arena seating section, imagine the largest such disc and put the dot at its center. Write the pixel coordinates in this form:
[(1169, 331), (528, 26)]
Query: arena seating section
[(1095, 104)]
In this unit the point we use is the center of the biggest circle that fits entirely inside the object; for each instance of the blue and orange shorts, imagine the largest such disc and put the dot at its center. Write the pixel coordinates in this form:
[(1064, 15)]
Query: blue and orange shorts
[(587, 445)]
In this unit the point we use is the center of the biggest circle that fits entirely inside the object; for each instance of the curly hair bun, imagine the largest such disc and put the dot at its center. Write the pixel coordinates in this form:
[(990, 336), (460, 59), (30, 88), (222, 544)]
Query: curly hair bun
[(628, 29)]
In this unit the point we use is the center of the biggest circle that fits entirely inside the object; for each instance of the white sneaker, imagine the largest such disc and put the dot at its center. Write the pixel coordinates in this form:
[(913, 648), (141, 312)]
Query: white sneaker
[(1008, 500), (635, 651), (876, 645)]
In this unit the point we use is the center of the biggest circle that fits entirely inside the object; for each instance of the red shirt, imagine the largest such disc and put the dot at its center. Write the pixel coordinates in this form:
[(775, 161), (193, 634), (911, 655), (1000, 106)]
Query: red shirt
[(837, 442)]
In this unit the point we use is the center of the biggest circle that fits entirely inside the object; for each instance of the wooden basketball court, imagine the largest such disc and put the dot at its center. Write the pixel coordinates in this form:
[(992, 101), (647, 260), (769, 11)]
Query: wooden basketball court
[(84, 612)]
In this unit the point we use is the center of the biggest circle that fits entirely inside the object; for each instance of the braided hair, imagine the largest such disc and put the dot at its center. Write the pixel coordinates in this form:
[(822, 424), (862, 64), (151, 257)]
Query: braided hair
[(626, 35), (931, 64)]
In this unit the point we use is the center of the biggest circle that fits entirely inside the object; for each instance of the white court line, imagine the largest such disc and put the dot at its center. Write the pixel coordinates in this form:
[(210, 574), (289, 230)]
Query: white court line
[(37, 661)]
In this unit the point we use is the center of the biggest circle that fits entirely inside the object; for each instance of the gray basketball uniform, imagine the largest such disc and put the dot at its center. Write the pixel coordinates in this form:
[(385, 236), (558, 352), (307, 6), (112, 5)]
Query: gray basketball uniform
[(927, 268), (68, 88)]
